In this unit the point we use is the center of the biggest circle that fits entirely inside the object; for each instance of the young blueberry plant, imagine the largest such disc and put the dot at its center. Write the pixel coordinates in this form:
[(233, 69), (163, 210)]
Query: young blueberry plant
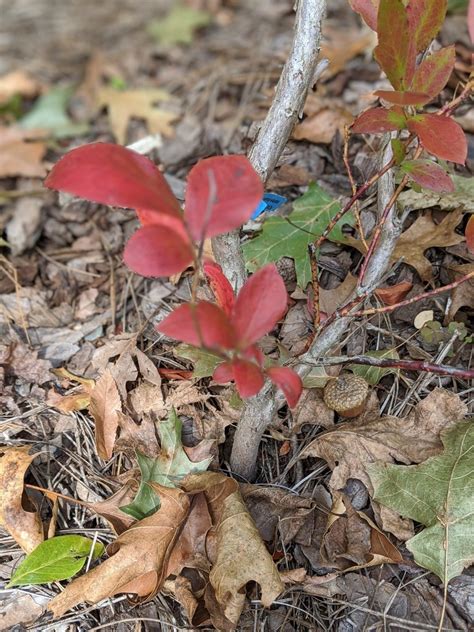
[(221, 194)]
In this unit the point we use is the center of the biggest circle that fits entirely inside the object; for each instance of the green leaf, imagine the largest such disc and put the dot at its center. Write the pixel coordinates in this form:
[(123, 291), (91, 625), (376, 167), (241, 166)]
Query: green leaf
[(373, 374), (437, 494), (204, 361), (168, 469), (50, 113), (55, 559), (311, 215), (316, 378), (179, 25)]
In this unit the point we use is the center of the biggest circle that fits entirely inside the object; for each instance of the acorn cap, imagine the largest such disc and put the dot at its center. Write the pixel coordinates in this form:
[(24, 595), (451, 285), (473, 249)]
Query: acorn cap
[(346, 394)]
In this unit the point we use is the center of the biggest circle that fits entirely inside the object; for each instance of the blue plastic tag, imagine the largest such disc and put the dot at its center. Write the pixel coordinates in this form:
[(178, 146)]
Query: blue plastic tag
[(269, 203)]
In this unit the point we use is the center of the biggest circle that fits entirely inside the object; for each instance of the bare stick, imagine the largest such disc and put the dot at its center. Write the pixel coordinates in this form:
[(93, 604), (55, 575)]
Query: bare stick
[(298, 75), (260, 410), (406, 365)]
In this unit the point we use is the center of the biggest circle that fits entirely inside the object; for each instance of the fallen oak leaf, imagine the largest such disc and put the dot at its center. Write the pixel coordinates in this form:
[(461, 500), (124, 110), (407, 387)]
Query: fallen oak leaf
[(240, 554), (138, 558), (20, 153), (351, 447), (24, 525), (437, 494), (126, 104)]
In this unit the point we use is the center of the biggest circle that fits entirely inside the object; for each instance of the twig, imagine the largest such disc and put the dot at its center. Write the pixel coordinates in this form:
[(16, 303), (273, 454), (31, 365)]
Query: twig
[(298, 75), (407, 365)]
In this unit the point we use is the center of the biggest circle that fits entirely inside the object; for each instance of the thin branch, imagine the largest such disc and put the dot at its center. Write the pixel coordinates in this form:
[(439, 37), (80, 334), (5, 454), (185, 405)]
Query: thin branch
[(298, 75), (407, 365)]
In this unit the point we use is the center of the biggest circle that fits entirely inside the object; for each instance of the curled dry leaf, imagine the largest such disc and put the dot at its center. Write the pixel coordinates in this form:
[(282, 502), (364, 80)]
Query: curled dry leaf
[(24, 525), (138, 558), (105, 406), (240, 555), (351, 447)]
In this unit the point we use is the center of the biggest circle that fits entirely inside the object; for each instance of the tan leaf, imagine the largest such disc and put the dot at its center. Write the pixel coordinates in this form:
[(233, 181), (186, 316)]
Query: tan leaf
[(424, 234), (124, 105), (110, 508), (318, 585), (352, 541), (330, 300), (104, 407), (342, 45), (312, 410), (23, 524), (462, 295), (325, 118), (352, 446), (18, 157), (240, 554), (17, 82), (138, 558)]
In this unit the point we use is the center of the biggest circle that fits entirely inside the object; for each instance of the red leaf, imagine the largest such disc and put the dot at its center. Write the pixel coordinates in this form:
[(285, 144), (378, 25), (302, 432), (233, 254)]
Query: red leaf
[(368, 10), (248, 378), (220, 286), (440, 135), (115, 176), (222, 193), (157, 250), (425, 18), (288, 381), (428, 175), (433, 73), (394, 52), (259, 306), (223, 373), (201, 325), (470, 234), (377, 120), (395, 293), (403, 98)]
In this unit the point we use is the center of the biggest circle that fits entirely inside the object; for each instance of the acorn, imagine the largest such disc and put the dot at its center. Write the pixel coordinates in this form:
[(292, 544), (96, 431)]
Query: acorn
[(346, 395)]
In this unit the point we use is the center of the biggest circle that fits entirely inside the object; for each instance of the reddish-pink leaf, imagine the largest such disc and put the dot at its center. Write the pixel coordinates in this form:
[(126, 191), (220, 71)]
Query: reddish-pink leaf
[(428, 175), (288, 381), (113, 175), (470, 234), (378, 120), (403, 98), (433, 73), (201, 325), (223, 373), (440, 135), (368, 10), (248, 377), (259, 306), (157, 250), (395, 51), (222, 193), (220, 286), (425, 18)]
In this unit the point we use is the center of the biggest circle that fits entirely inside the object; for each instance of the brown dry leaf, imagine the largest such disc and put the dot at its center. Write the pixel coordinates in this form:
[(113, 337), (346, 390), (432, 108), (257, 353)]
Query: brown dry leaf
[(287, 176), (78, 400), (330, 300), (352, 446), (352, 541), (318, 585), (24, 525), (462, 295), (105, 406), (240, 554), (110, 508), (138, 558), (424, 234), (19, 156), (277, 512), (312, 410), (17, 82), (124, 105), (325, 117), (137, 437), (24, 363), (341, 46)]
